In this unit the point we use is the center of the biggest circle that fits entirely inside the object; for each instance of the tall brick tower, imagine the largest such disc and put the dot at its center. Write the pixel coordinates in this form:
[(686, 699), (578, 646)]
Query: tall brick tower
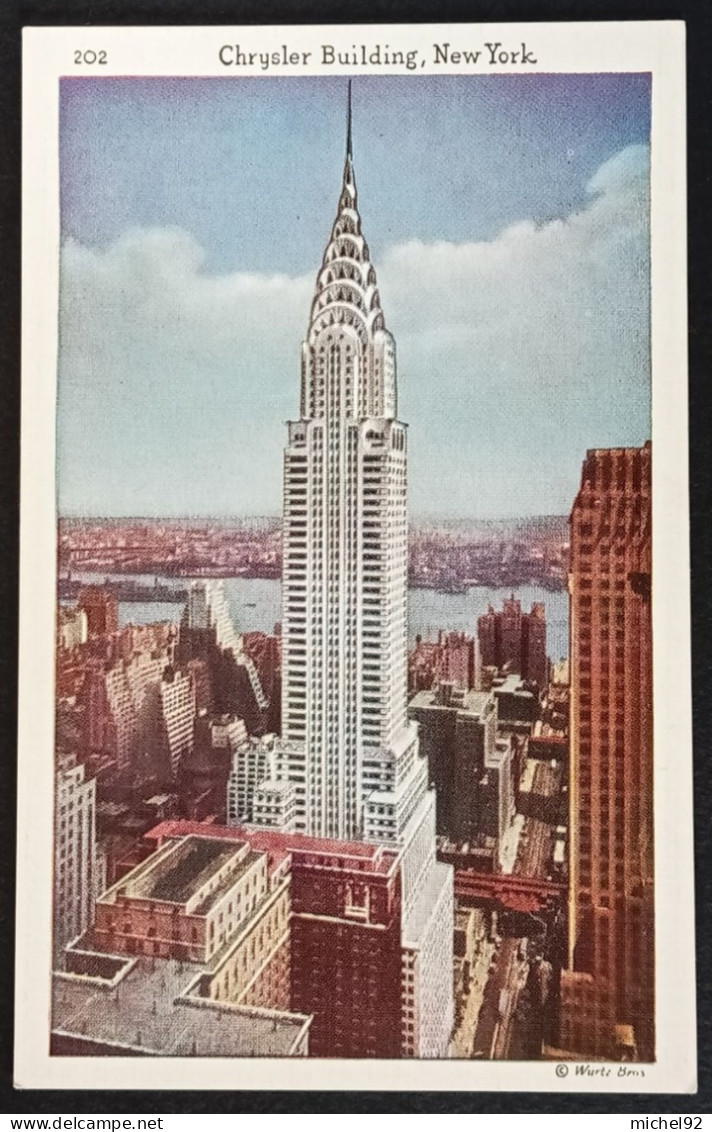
[(608, 991)]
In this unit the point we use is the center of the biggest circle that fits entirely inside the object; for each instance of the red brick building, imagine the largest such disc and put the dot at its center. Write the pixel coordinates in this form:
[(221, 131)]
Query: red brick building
[(346, 953), (534, 661), (515, 641), (101, 609), (454, 657), (345, 960), (609, 987)]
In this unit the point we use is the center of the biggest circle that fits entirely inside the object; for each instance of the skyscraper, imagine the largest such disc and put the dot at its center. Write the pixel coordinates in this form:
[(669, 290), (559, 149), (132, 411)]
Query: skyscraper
[(207, 634), (534, 661), (607, 994), (514, 640), (348, 765), (470, 768), (74, 851)]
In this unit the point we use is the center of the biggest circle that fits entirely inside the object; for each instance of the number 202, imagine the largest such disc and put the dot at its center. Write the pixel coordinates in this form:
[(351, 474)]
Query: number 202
[(89, 57)]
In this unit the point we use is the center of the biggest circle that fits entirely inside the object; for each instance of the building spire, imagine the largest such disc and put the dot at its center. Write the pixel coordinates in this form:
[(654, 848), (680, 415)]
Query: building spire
[(349, 144), (346, 289)]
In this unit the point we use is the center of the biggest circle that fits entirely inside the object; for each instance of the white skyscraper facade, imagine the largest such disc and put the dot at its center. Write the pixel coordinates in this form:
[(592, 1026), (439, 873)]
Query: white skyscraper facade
[(75, 879), (344, 621), (348, 764)]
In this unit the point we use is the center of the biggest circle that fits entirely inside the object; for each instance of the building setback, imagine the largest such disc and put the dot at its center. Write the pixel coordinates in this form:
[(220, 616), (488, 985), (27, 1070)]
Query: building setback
[(207, 635), (608, 991)]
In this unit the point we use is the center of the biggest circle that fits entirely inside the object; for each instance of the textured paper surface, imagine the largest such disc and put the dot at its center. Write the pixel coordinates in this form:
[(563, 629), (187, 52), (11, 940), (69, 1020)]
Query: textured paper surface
[(436, 250)]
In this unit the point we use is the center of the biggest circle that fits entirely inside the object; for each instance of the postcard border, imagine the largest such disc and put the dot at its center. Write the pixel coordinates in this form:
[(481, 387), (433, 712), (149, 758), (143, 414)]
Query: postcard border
[(654, 46)]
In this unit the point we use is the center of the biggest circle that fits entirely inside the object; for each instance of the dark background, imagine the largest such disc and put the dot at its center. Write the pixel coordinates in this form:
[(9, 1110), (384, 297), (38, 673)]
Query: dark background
[(14, 14)]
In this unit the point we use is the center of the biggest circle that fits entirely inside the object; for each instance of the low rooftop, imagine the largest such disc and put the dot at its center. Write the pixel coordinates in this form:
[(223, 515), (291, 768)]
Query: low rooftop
[(476, 703), (228, 882), (185, 871), (513, 684), (139, 1014), (280, 846)]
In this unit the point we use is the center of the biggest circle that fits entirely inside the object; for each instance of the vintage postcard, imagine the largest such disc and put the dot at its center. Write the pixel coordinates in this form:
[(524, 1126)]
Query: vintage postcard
[(354, 743)]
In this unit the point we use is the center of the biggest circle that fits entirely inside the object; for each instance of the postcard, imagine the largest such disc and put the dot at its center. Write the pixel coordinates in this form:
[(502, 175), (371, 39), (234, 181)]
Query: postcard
[(355, 744)]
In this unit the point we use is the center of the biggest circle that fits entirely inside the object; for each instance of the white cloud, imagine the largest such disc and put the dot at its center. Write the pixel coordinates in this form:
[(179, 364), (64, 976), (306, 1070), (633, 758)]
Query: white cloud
[(515, 354), (630, 167)]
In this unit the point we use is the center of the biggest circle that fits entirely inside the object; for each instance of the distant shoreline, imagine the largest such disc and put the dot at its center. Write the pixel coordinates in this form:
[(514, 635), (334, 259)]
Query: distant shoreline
[(163, 593), (419, 521)]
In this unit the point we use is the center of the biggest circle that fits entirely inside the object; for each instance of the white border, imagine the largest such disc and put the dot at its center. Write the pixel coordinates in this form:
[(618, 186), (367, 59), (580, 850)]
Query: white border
[(657, 47)]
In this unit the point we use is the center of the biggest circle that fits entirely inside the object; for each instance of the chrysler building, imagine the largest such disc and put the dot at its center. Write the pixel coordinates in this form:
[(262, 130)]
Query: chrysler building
[(348, 766)]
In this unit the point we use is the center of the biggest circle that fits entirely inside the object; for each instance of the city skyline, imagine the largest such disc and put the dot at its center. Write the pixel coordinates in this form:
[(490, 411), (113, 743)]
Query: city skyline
[(523, 299), (276, 517), (341, 780)]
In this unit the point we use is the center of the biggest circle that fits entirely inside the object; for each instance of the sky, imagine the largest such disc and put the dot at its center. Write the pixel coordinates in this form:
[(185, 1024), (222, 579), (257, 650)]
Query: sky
[(507, 218)]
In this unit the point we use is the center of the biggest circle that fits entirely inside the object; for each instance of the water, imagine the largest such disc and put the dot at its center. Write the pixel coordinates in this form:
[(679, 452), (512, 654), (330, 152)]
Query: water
[(255, 605), (145, 612)]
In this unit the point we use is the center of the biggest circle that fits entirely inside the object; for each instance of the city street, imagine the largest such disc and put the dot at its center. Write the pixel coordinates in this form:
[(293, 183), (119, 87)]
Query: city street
[(490, 1011)]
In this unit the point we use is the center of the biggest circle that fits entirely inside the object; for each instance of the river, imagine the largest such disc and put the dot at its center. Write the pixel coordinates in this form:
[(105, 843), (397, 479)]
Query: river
[(255, 605)]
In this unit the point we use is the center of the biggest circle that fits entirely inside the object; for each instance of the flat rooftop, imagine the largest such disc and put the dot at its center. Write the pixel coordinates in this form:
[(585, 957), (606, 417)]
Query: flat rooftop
[(476, 703), (280, 846), (183, 872), (227, 883), (140, 1016), (513, 684)]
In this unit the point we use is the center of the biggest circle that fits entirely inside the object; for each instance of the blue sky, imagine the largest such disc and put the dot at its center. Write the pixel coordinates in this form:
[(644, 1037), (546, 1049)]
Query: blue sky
[(507, 219)]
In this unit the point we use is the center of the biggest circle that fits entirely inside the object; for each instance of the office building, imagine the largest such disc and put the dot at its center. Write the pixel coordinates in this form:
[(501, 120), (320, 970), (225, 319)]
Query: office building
[(177, 715), (204, 922), (348, 766), (75, 865), (469, 766), (517, 706), (209, 901), (608, 990), (72, 628), (251, 765), (453, 657), (342, 954), (535, 665), (512, 641), (127, 686), (207, 634), (101, 609), (133, 1006), (266, 653)]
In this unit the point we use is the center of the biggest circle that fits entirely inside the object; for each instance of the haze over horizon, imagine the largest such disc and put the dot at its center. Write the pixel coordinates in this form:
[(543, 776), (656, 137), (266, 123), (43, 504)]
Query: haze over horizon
[(276, 517), (508, 223)]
